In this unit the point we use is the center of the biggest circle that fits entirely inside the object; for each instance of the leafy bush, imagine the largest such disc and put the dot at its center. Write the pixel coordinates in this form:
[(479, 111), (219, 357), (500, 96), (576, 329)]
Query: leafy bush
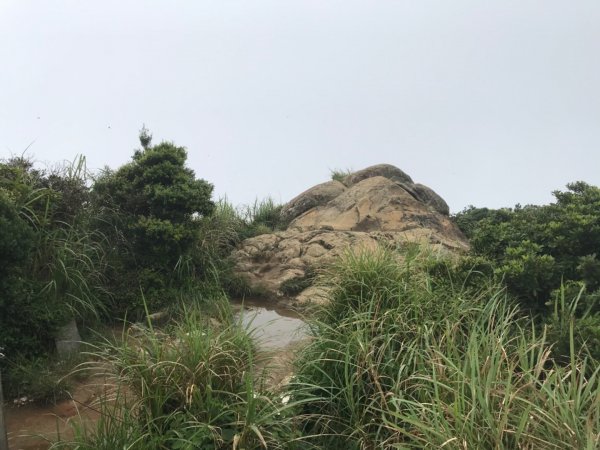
[(52, 263), (152, 209), (536, 248)]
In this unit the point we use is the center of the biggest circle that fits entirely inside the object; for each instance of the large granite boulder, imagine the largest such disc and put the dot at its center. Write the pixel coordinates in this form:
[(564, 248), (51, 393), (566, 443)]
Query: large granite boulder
[(377, 205), (380, 170), (316, 196), (428, 196), (431, 198)]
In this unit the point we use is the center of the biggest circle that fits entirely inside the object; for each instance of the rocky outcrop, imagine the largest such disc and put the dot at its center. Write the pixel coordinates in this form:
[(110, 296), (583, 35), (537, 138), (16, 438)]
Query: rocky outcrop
[(380, 170), (316, 196), (377, 205), (428, 196)]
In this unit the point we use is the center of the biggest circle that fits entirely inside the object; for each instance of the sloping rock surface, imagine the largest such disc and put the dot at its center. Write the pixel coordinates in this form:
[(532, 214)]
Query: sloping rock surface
[(315, 196), (379, 204), (380, 170)]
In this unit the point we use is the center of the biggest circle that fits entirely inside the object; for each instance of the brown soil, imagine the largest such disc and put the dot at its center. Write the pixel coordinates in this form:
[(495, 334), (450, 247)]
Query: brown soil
[(34, 427)]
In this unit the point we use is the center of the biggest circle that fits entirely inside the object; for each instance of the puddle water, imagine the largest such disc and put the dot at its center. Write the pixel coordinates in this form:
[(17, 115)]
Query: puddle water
[(274, 327)]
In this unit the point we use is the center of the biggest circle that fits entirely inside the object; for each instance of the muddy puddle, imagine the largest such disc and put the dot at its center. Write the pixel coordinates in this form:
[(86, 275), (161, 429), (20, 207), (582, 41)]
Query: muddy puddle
[(34, 427), (274, 327), (279, 333)]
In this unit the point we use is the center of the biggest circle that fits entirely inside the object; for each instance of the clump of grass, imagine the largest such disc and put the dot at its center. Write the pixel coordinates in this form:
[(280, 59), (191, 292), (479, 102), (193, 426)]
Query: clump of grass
[(189, 386), (417, 361), (219, 234), (364, 279), (263, 217), (340, 174), (487, 379)]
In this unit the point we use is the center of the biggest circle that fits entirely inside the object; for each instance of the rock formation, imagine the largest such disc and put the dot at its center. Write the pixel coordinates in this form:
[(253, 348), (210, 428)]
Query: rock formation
[(379, 204)]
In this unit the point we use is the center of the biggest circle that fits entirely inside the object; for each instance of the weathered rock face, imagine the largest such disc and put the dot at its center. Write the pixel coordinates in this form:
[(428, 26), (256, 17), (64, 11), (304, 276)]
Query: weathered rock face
[(316, 196), (375, 204), (379, 204), (380, 170)]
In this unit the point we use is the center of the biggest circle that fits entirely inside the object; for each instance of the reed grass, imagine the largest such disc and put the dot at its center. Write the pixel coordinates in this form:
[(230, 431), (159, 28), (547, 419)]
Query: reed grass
[(418, 363), (191, 385)]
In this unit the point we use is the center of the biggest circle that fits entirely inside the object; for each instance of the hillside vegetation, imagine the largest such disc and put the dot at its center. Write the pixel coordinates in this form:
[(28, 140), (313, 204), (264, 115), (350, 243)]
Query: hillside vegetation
[(414, 348)]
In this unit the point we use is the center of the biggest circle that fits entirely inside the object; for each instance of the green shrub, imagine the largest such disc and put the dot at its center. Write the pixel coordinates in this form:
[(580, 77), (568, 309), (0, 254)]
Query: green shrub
[(152, 210), (43, 380), (536, 248), (52, 261)]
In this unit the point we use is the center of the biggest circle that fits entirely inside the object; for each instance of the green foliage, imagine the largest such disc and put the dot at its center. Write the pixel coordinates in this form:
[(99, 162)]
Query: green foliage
[(529, 273), (222, 231), (42, 379), (428, 352), (156, 184), (23, 317), (589, 271), (262, 217), (575, 320), (535, 248), (52, 263), (17, 238), (425, 360), (152, 208), (340, 174)]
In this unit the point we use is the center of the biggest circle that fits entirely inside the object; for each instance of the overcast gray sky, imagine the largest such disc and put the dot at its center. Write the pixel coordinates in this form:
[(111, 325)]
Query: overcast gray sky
[(490, 103)]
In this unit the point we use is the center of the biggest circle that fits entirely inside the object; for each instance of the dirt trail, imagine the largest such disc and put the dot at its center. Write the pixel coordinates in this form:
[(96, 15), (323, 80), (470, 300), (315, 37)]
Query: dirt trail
[(33, 427)]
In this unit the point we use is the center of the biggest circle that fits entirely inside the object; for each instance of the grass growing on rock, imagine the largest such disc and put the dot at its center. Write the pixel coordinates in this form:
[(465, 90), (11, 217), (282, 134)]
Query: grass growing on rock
[(340, 174)]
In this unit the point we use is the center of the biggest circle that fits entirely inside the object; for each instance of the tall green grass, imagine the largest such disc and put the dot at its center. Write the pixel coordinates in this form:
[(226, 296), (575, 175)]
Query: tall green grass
[(69, 258), (403, 358), (190, 386)]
